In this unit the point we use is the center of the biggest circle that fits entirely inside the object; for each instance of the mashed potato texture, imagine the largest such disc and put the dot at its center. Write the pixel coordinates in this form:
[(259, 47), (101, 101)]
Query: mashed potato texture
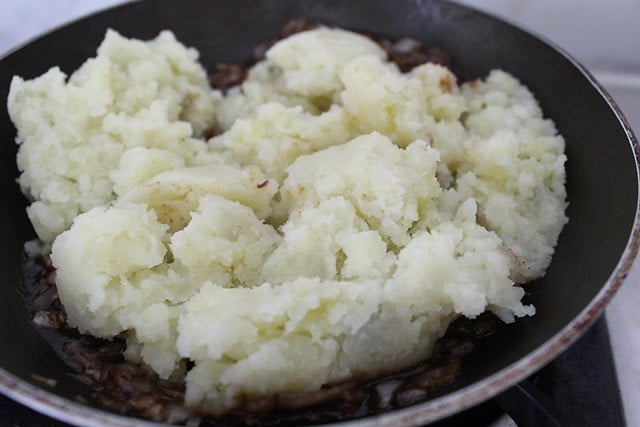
[(73, 132), (347, 213)]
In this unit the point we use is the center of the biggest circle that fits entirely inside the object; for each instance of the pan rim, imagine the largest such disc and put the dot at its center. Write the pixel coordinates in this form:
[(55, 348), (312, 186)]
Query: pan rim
[(50, 404)]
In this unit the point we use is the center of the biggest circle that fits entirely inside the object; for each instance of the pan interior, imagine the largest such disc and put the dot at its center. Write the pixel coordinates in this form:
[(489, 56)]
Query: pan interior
[(601, 170)]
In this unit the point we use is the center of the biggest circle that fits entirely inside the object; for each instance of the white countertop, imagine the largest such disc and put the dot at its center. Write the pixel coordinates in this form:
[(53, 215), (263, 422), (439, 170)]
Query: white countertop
[(602, 35)]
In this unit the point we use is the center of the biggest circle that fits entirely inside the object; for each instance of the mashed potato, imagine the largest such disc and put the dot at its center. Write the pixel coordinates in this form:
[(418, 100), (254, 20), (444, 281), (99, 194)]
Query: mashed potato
[(348, 211), (74, 133)]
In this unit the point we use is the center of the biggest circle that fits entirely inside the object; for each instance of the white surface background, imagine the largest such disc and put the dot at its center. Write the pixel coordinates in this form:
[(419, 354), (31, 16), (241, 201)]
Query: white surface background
[(603, 35)]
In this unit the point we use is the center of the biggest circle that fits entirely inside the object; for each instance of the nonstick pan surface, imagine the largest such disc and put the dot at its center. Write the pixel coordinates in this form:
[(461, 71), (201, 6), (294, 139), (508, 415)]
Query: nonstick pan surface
[(593, 255)]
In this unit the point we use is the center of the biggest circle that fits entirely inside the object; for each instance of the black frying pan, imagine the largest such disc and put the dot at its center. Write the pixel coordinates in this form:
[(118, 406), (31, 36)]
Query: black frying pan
[(595, 249)]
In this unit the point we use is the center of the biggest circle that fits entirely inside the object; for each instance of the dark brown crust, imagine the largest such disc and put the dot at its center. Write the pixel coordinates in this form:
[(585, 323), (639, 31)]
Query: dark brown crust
[(409, 53), (227, 75)]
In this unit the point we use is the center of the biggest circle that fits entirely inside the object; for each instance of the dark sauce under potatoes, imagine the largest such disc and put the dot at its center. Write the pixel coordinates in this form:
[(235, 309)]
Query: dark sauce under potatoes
[(134, 389), (406, 53)]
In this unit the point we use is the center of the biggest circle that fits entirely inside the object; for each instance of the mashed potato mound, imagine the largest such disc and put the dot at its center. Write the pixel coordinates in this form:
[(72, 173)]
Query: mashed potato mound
[(73, 133), (348, 212)]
